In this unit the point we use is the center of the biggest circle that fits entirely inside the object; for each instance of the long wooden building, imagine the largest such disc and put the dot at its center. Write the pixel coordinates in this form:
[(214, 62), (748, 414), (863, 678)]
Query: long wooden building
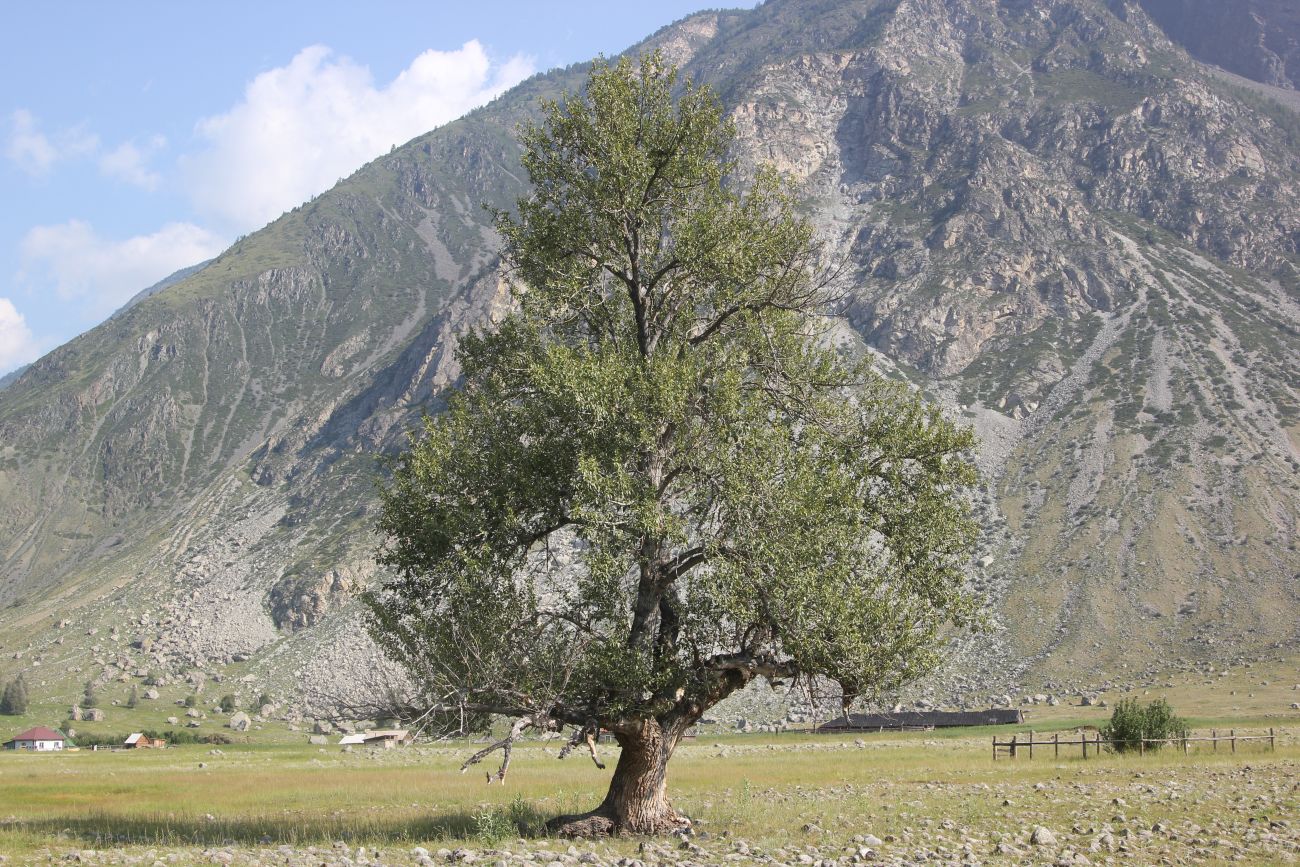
[(922, 719)]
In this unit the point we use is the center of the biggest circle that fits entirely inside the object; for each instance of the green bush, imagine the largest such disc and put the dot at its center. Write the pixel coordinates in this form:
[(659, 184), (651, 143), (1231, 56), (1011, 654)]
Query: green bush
[(171, 736), (134, 698), (88, 697), (191, 700), (1130, 723), (228, 704)]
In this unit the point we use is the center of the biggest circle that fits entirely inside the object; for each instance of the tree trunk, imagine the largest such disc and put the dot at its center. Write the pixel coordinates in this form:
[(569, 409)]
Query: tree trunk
[(637, 801)]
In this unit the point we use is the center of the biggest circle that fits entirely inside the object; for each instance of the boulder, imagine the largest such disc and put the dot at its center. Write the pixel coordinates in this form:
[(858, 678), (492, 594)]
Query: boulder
[(150, 693), (318, 740), (322, 727), (93, 714), (171, 721), (240, 722), (1042, 837), (75, 714)]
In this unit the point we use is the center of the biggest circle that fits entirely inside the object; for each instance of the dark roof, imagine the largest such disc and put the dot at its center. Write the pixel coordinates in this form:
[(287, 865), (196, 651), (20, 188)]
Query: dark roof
[(925, 719), (40, 733)]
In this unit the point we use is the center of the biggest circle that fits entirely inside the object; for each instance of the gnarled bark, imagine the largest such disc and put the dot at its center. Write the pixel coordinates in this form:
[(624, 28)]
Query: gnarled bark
[(637, 801)]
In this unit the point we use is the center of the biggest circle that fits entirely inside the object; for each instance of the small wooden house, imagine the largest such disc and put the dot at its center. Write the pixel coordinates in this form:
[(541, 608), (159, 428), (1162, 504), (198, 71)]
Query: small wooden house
[(139, 741), (39, 739), (383, 738)]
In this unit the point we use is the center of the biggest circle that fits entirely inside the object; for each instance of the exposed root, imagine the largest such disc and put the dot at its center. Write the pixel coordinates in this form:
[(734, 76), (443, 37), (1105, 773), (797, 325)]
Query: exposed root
[(602, 822)]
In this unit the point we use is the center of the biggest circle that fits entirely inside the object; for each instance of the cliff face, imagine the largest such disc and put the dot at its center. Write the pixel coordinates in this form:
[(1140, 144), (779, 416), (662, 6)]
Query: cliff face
[(1051, 219), (1259, 39)]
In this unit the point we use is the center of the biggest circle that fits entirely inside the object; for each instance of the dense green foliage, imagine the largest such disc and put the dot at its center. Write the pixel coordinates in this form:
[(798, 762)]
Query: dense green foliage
[(134, 698), (88, 697), (1130, 723), (657, 481), (14, 700), (173, 737), (228, 703)]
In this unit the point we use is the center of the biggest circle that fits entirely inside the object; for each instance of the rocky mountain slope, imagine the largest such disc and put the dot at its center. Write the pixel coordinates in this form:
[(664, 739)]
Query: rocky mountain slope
[(1052, 219), (1259, 39)]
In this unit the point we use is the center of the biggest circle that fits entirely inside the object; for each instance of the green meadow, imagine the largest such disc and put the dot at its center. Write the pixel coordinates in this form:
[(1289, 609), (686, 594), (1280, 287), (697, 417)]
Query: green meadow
[(774, 798)]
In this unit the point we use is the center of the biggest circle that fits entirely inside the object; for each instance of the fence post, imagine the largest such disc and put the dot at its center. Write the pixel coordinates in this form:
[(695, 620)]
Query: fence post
[(1142, 743), (1013, 745), (1272, 745), (1056, 745), (1083, 739), (1214, 739), (1232, 733), (1031, 743), (1184, 743), (995, 748)]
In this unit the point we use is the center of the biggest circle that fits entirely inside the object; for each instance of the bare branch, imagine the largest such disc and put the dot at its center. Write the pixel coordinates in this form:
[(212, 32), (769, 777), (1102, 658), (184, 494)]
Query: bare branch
[(506, 745), (588, 734)]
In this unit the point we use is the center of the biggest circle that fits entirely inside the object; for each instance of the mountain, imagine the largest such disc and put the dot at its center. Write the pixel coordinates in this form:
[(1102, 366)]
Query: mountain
[(1051, 218), (1259, 39), (11, 376), (169, 280)]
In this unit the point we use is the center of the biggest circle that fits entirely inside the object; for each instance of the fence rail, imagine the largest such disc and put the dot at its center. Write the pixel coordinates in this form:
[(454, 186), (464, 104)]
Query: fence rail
[(1011, 747)]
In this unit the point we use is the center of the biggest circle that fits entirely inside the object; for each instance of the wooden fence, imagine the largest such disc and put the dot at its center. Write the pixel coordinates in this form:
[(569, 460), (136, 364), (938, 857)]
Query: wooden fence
[(1018, 743)]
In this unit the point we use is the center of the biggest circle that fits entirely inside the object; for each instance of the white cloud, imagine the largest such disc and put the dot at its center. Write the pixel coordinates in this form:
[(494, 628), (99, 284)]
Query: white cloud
[(129, 162), (302, 126), (28, 146), (34, 152), (17, 345), (99, 274)]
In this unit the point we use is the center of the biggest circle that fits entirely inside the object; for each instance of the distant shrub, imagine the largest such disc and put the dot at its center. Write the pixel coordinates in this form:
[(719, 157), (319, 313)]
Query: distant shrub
[(1130, 723), (88, 698), (14, 700), (228, 704), (191, 700), (134, 698), (179, 736)]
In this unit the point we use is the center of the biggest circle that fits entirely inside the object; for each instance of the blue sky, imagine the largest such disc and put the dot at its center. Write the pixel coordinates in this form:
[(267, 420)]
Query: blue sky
[(138, 138)]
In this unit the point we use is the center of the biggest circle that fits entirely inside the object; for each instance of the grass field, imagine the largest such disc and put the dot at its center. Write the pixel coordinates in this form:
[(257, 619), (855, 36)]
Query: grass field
[(791, 798)]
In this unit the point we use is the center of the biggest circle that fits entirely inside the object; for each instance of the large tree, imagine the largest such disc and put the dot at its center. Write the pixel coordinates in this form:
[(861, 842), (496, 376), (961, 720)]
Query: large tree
[(659, 479)]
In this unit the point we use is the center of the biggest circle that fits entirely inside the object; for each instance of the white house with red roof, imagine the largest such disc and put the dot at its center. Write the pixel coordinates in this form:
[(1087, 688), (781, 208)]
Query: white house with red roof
[(39, 739)]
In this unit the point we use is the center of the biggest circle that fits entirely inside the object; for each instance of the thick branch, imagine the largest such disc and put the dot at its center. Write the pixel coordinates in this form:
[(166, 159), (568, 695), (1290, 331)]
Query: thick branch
[(587, 734), (506, 744)]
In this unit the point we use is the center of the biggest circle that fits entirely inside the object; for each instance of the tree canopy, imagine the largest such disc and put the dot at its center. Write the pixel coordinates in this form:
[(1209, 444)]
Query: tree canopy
[(659, 479), (14, 700)]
